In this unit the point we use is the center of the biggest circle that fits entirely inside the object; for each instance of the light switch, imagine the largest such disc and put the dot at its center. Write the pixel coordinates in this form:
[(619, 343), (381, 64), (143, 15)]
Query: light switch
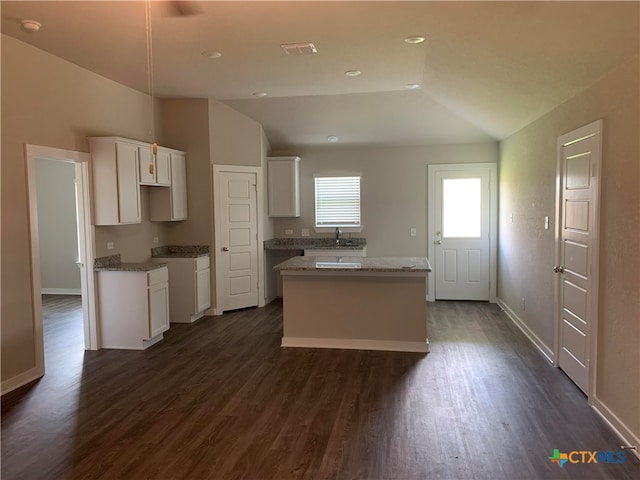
[(288, 231), (305, 232), (414, 231), (155, 240), (109, 245)]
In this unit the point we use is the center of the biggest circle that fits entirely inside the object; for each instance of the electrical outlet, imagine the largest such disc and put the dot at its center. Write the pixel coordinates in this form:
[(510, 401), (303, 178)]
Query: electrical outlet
[(288, 231), (110, 246), (511, 217), (523, 304), (155, 240), (546, 222), (414, 231), (305, 232)]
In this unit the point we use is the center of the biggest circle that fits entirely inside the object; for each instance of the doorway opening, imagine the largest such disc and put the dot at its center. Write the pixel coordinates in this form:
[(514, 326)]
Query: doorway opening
[(62, 249), (462, 231)]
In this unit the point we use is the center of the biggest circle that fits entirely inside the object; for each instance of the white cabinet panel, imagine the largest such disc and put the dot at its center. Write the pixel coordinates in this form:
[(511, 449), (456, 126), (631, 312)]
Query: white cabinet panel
[(163, 167), (158, 308), (284, 186), (115, 181), (203, 289), (133, 308), (147, 165), (189, 287)]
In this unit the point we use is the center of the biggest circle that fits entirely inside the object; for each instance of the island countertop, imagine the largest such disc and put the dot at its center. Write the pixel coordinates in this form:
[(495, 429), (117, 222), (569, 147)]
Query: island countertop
[(355, 264)]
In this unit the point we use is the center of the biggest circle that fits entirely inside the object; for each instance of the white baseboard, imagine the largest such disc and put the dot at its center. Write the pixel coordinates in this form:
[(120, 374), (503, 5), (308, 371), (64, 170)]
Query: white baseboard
[(20, 380), (624, 433), (539, 344), (356, 344), (61, 291)]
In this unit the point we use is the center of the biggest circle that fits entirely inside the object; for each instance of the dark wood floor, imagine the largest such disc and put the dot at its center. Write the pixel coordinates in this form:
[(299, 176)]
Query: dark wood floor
[(220, 399)]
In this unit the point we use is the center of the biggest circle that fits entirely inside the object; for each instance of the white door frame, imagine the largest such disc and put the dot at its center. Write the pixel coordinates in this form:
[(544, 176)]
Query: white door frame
[(216, 171), (86, 241), (493, 221), (592, 129)]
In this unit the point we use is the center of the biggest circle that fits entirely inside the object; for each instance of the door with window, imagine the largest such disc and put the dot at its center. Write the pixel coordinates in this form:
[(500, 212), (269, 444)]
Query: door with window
[(461, 225)]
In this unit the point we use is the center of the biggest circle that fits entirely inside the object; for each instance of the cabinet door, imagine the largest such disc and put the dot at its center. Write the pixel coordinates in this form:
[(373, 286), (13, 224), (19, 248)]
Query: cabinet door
[(283, 185), (128, 183), (158, 308), (203, 290), (163, 167), (178, 186), (147, 165)]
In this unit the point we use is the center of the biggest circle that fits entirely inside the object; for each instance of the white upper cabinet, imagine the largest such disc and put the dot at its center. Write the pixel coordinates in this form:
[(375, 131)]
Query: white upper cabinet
[(154, 169), (284, 186), (163, 168), (115, 181), (170, 204)]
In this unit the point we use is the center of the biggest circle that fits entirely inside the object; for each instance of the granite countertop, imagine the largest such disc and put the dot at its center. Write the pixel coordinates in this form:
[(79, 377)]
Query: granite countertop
[(180, 251), (314, 243), (113, 263), (356, 264)]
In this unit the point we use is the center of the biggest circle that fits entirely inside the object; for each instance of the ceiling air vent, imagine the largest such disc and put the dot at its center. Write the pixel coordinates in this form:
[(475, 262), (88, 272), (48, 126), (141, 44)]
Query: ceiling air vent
[(299, 48)]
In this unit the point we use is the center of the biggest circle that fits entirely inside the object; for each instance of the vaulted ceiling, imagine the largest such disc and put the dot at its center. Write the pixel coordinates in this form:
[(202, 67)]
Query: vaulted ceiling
[(486, 69)]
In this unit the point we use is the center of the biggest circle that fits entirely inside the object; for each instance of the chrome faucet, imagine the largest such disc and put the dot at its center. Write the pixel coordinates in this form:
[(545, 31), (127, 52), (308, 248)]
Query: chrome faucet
[(338, 233)]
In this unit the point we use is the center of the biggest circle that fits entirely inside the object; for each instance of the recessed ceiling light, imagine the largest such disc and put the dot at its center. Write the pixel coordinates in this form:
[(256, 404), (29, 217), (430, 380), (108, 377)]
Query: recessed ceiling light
[(259, 94), (352, 73), (332, 139), (412, 86), (413, 39), (31, 25), (210, 54)]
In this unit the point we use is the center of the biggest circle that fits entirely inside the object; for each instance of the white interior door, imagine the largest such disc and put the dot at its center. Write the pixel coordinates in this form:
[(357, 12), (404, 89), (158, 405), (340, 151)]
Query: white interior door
[(461, 226), (237, 255), (579, 165)]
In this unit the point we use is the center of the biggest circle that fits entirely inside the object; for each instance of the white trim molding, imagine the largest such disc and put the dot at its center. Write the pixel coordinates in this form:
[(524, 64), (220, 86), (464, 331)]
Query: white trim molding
[(356, 344), (623, 432), (533, 338), (61, 291), (22, 379)]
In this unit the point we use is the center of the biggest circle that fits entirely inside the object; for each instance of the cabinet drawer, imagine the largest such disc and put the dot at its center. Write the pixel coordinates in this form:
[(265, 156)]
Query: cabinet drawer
[(159, 275), (202, 263)]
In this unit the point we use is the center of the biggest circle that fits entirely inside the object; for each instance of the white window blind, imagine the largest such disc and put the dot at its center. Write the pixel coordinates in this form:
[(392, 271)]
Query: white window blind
[(337, 201)]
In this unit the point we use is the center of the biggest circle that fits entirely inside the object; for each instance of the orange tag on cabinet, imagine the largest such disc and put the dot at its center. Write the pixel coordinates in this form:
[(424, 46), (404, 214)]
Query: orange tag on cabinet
[(151, 168), (154, 148)]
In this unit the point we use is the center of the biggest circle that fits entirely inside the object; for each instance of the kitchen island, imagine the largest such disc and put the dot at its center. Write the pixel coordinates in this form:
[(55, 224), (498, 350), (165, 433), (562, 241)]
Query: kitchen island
[(363, 303)]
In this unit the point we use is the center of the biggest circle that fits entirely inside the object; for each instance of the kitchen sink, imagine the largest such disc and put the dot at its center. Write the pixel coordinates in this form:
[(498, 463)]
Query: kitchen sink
[(346, 265)]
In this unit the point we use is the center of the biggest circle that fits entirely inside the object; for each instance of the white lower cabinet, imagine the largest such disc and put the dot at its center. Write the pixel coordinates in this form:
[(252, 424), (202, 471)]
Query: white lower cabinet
[(190, 287), (133, 307)]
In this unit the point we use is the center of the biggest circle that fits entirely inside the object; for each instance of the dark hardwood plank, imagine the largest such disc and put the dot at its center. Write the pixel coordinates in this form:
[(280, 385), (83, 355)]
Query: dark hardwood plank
[(220, 399)]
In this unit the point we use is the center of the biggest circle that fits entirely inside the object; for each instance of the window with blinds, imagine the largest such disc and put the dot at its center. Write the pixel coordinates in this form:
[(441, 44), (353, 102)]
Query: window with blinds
[(337, 201)]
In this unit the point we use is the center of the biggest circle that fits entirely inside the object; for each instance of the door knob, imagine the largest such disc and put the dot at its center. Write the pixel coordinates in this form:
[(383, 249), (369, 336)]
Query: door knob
[(558, 269), (438, 242), (225, 249)]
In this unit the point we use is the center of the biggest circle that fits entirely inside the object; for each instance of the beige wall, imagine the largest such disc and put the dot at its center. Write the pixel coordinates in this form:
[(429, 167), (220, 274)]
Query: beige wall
[(235, 138), (527, 172), (57, 225), (393, 190), (51, 102), (186, 127)]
